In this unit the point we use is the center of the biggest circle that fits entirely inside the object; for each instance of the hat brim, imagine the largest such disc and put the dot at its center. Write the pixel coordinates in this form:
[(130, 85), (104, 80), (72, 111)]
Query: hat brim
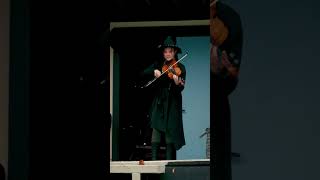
[(172, 46)]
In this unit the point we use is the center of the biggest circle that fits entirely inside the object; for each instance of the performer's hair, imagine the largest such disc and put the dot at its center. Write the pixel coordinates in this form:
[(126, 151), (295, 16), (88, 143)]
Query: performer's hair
[(176, 56)]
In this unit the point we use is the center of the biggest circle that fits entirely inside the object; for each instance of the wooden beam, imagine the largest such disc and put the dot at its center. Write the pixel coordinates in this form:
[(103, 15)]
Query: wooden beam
[(205, 22), (159, 162), (136, 176), (129, 168)]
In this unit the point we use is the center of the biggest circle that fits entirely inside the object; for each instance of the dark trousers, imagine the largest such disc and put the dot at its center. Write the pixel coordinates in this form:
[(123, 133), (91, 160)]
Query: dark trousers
[(155, 142), (156, 136)]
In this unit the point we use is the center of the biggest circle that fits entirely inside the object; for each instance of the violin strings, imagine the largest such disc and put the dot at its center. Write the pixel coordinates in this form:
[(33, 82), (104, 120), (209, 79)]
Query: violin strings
[(150, 82)]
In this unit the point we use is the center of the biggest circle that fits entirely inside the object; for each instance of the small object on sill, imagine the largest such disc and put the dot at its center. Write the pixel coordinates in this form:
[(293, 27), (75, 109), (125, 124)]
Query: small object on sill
[(141, 162)]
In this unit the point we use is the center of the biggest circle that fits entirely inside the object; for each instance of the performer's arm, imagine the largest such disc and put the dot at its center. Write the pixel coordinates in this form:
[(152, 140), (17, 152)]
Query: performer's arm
[(151, 71)]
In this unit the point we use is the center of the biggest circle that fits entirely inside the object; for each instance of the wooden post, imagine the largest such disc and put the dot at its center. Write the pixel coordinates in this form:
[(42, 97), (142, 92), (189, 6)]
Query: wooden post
[(136, 176)]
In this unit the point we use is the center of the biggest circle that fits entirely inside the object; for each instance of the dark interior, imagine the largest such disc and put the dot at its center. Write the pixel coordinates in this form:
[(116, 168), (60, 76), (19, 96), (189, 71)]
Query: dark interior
[(137, 49), (154, 10)]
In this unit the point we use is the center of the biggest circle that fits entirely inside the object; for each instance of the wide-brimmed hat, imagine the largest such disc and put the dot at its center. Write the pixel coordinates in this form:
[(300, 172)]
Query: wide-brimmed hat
[(170, 41)]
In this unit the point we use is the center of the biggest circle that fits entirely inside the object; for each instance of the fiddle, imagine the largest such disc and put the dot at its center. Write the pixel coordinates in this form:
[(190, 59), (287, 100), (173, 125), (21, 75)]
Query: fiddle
[(165, 71), (171, 69)]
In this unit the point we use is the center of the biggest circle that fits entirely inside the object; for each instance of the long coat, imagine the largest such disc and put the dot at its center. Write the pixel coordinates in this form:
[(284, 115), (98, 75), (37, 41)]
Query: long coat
[(166, 108)]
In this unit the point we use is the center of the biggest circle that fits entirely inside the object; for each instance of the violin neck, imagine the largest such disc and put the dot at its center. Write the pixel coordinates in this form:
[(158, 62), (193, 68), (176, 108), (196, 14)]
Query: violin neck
[(172, 71)]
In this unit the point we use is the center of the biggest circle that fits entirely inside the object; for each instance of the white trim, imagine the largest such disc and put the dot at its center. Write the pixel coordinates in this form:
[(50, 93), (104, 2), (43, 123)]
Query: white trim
[(129, 168), (136, 176), (111, 80), (205, 22), (111, 97), (159, 162)]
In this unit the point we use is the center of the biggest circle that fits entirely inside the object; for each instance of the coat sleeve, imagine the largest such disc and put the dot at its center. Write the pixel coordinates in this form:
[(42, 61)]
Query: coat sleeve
[(149, 71)]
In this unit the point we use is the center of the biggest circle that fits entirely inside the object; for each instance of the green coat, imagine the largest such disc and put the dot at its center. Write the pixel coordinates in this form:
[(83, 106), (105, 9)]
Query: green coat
[(166, 108)]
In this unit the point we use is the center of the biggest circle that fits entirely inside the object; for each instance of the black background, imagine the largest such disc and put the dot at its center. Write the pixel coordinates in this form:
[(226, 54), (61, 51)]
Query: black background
[(58, 106)]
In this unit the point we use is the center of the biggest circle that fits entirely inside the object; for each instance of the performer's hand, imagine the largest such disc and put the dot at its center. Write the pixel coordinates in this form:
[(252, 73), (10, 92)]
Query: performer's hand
[(181, 81), (233, 71), (214, 60), (176, 79), (157, 73)]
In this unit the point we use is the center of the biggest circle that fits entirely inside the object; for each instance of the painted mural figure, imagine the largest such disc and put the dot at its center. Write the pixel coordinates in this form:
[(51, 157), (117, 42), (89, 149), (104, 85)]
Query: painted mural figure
[(225, 58)]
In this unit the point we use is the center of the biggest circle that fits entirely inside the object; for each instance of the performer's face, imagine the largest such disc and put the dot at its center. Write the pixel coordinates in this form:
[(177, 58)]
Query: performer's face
[(169, 53)]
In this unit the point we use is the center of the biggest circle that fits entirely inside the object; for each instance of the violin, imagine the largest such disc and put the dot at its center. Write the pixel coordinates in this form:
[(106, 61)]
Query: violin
[(171, 69), (166, 68)]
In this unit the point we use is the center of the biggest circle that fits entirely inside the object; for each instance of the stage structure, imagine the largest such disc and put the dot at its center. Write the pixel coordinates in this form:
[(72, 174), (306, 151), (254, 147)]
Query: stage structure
[(163, 169)]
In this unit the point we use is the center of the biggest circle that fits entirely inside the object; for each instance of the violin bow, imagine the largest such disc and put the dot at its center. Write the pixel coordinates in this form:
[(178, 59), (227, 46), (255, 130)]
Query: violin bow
[(150, 82)]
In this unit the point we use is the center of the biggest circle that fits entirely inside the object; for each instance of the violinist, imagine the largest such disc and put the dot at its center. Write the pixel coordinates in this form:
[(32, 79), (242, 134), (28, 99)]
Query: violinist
[(166, 108)]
